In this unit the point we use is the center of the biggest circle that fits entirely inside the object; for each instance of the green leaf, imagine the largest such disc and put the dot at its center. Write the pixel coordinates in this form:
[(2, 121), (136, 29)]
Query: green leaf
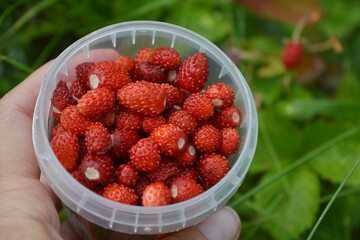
[(269, 89), (288, 215), (349, 85)]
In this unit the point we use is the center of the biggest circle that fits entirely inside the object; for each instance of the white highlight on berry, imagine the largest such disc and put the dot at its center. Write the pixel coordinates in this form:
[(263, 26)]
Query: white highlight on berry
[(94, 81), (172, 75), (92, 174), (217, 102), (192, 150), (181, 143), (236, 117), (174, 191), (56, 110)]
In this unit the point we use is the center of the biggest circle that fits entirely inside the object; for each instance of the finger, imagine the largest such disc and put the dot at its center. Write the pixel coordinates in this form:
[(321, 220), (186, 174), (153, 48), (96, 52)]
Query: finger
[(223, 224), (67, 232)]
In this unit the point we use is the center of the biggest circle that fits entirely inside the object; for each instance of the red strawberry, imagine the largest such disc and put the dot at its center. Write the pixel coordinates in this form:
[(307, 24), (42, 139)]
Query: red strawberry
[(142, 97), (78, 89), (187, 157), (108, 118), (127, 174), (61, 97), (145, 155), (82, 72), (212, 168), (121, 194), (109, 75), (170, 139), (126, 62), (166, 57), (174, 96), (230, 141), (221, 95), (229, 117), (78, 176), (150, 123), (156, 194), (141, 184), (189, 172), (143, 55), (292, 55), (66, 148), (165, 172), (122, 140), (193, 73), (73, 121), (184, 188), (97, 168), (207, 139), (96, 102), (199, 106), (184, 121), (58, 129), (148, 72), (97, 139), (128, 120)]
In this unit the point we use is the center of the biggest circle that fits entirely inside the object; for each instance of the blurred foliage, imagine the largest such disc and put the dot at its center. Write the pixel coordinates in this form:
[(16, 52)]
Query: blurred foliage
[(309, 133)]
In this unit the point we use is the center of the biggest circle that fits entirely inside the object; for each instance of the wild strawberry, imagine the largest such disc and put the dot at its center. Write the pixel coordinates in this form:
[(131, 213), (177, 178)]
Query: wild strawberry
[(193, 74), (78, 176), (58, 129), (73, 121), (187, 157), (97, 139), (184, 121), (148, 72), (174, 96), (127, 174), (199, 106), (142, 97), (292, 55), (96, 102), (184, 188), (166, 57), (221, 95), (189, 172), (143, 55), (229, 117), (61, 97), (170, 139), (65, 146), (150, 123), (165, 172), (78, 89), (107, 119), (207, 139), (141, 184), (109, 75), (126, 62), (145, 155), (230, 141), (82, 72), (156, 194), (212, 168), (128, 120), (122, 140), (121, 194), (97, 168)]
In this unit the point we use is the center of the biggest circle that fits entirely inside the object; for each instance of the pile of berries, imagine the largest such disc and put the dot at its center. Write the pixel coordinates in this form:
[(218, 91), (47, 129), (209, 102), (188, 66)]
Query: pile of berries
[(143, 130)]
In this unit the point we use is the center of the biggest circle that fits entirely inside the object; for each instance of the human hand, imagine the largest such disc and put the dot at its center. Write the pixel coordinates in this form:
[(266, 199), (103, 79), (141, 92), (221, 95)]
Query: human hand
[(28, 207)]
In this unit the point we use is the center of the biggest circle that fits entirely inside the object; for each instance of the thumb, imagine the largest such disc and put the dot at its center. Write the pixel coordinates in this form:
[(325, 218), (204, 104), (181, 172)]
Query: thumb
[(223, 224)]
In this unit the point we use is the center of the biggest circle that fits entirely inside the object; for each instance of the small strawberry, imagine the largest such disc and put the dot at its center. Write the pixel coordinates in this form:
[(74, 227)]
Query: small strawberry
[(73, 121), (221, 95), (65, 146), (156, 194), (126, 62), (184, 121), (212, 168), (166, 57), (184, 188), (108, 118), (292, 55), (164, 173), (170, 139), (150, 123), (148, 72), (107, 74), (145, 155), (207, 139), (189, 172), (143, 55), (61, 97), (97, 168), (97, 139), (199, 106), (122, 140), (78, 89), (187, 157), (58, 129), (128, 120), (141, 184), (142, 97), (78, 176), (174, 96), (193, 74), (229, 117), (82, 72), (127, 175), (121, 194), (230, 141), (96, 102)]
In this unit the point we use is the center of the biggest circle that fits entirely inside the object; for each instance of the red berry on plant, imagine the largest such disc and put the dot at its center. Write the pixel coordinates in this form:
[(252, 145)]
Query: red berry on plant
[(292, 55)]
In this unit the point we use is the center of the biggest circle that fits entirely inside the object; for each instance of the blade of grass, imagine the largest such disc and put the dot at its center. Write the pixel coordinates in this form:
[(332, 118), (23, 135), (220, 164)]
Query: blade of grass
[(332, 200), (16, 64), (310, 155)]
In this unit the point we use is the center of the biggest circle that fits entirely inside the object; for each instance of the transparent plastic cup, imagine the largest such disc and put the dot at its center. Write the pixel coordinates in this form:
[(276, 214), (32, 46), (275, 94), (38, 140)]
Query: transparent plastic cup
[(95, 217)]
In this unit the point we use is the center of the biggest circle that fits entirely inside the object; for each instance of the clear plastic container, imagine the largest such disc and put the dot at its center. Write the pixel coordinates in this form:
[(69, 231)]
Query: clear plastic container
[(95, 217)]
